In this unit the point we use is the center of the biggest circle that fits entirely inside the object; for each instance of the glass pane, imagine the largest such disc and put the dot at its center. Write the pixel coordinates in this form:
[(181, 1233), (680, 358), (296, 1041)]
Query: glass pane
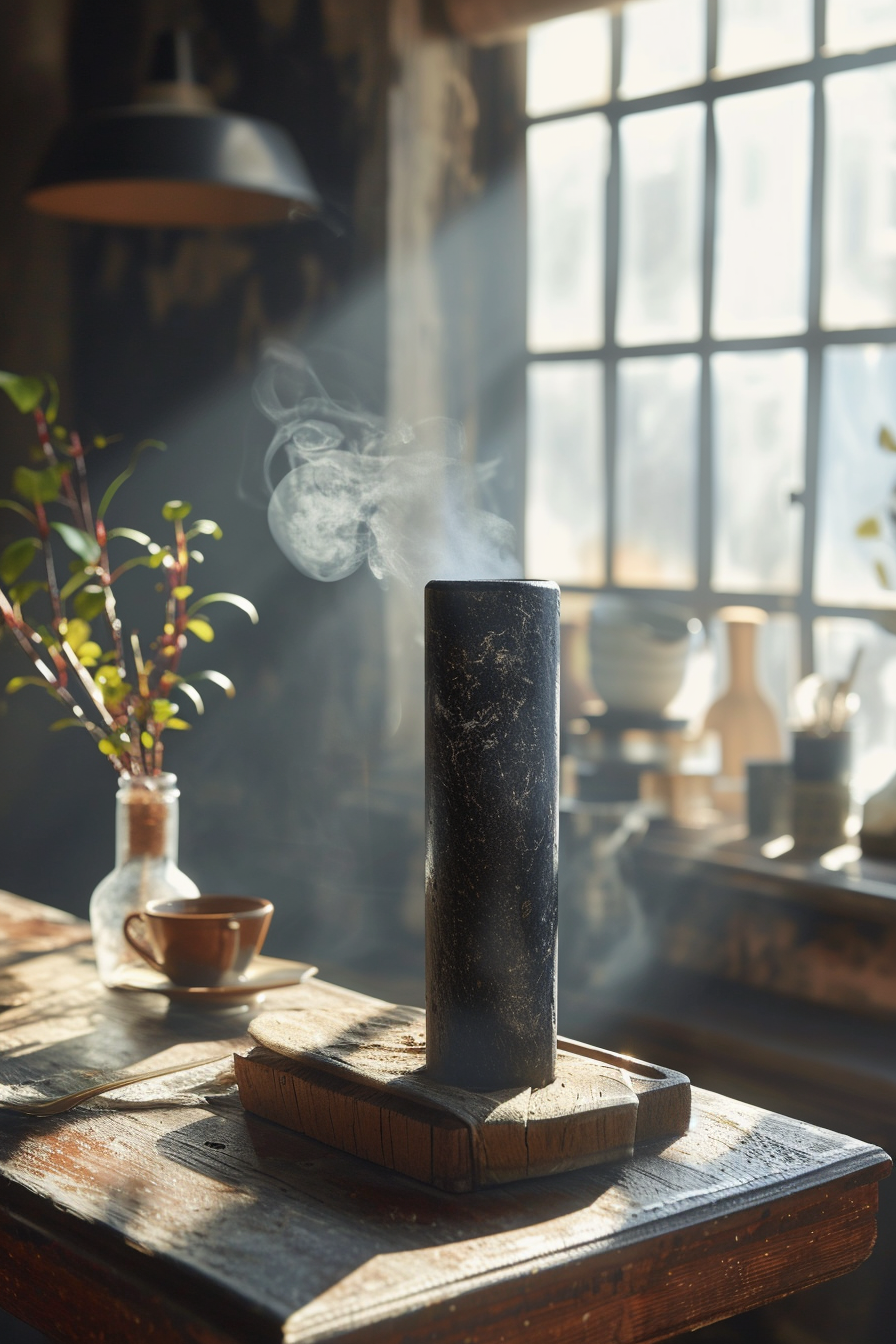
[(567, 171), (656, 472), (856, 476), (759, 403), (762, 34), (860, 199), (874, 725), (762, 220), (859, 25), (565, 472), (663, 46), (661, 225), (568, 63)]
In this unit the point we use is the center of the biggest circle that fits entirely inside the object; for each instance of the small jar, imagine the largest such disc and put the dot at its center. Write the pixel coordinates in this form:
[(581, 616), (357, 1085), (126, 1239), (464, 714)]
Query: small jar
[(821, 798), (146, 833)]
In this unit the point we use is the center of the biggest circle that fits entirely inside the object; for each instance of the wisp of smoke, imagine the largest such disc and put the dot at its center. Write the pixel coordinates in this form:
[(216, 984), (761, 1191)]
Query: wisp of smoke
[(356, 489)]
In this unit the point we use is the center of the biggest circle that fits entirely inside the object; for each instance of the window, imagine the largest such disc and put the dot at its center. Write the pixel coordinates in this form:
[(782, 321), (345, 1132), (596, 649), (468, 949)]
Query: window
[(712, 313)]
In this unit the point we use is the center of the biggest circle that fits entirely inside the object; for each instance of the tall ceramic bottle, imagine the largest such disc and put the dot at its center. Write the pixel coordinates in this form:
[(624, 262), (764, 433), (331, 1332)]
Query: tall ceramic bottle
[(744, 720), (146, 834)]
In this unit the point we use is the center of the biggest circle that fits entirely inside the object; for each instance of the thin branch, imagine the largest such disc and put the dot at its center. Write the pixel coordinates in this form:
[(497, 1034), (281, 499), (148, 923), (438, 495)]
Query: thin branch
[(29, 642), (111, 609), (88, 683), (46, 444), (51, 578), (77, 453), (178, 606)]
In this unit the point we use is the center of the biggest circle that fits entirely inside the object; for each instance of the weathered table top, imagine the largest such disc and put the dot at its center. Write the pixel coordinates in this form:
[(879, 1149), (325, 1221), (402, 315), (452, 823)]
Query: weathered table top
[(169, 1217)]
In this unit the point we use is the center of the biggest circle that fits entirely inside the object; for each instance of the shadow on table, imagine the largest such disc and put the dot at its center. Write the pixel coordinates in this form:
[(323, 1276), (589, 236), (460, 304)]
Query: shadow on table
[(302, 1191)]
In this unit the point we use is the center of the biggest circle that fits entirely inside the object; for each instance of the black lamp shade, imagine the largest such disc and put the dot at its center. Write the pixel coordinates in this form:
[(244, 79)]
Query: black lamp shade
[(161, 166)]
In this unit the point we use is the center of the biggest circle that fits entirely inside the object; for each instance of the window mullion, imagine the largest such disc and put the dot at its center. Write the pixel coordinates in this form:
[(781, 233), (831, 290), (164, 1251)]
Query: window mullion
[(815, 361), (705, 519), (611, 289)]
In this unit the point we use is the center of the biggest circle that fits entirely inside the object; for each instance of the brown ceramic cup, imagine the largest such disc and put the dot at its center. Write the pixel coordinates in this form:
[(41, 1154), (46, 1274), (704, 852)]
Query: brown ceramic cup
[(209, 941)]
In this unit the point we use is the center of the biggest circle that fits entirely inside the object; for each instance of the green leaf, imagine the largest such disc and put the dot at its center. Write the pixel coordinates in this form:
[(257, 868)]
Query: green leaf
[(233, 598), (868, 527), (176, 509), (82, 543), (163, 710), (180, 725), (182, 592), (147, 740), (147, 561), (198, 557), (111, 686), (886, 439), (192, 694), (77, 632), (89, 653), (18, 682), (74, 583), (17, 557), (52, 407), (202, 630), (110, 748), (21, 592), (91, 603), (24, 393), (38, 485), (219, 679), (19, 509), (130, 534), (126, 474), (61, 724), (204, 527)]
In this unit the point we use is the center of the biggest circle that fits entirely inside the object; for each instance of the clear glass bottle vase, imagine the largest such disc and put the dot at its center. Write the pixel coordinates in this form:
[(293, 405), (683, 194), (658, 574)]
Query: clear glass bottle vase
[(146, 824)]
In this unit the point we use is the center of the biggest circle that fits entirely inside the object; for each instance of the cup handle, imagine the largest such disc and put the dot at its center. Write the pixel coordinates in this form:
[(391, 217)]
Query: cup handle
[(136, 944), (233, 929)]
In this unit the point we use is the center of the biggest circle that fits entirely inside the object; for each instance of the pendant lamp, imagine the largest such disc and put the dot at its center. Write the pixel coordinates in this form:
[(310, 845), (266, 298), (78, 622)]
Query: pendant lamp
[(174, 159)]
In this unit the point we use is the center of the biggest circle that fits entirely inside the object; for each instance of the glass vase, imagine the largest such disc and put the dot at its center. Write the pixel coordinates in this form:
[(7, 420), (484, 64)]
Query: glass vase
[(146, 822)]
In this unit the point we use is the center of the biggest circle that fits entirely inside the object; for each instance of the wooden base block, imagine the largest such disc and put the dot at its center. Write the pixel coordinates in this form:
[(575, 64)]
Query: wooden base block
[(358, 1084)]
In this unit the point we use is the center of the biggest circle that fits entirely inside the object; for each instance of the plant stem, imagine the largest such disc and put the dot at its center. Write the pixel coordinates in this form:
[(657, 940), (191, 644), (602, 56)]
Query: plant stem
[(43, 528), (77, 453), (30, 640), (109, 597), (88, 683), (46, 444)]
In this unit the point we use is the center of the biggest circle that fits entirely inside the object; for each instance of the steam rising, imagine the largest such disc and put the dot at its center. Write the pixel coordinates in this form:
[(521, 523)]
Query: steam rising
[(357, 489)]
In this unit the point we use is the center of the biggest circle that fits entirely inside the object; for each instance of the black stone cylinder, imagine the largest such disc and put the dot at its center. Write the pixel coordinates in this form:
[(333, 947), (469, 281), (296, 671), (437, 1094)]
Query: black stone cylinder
[(492, 772)]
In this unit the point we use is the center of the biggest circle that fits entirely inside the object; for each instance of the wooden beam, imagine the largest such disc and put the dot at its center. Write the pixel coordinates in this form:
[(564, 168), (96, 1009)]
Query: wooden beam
[(483, 22)]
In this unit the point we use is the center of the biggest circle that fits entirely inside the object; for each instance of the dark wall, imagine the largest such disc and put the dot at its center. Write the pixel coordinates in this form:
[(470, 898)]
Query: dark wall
[(157, 333)]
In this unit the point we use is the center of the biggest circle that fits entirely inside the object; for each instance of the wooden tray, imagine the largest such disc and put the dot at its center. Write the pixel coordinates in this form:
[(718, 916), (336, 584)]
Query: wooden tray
[(357, 1083)]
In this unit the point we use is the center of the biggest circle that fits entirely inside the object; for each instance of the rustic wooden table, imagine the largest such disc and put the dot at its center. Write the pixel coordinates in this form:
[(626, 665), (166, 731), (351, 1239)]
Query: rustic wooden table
[(173, 1216)]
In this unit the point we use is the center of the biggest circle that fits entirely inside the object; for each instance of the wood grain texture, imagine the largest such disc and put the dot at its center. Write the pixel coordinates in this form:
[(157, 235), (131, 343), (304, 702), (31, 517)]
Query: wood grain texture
[(664, 1095), (588, 1114), (204, 1224)]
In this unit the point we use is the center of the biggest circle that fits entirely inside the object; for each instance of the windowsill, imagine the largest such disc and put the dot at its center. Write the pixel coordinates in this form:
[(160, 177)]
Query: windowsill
[(861, 887), (715, 907)]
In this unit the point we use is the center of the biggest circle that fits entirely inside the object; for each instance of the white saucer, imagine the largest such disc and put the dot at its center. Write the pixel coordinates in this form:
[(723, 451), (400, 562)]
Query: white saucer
[(265, 973)]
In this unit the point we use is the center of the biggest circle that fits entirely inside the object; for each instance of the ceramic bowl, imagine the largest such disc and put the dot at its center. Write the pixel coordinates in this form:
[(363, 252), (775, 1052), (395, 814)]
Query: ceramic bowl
[(639, 652)]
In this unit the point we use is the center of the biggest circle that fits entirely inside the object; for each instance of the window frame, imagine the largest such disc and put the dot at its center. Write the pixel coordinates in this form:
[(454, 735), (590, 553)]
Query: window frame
[(703, 598)]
